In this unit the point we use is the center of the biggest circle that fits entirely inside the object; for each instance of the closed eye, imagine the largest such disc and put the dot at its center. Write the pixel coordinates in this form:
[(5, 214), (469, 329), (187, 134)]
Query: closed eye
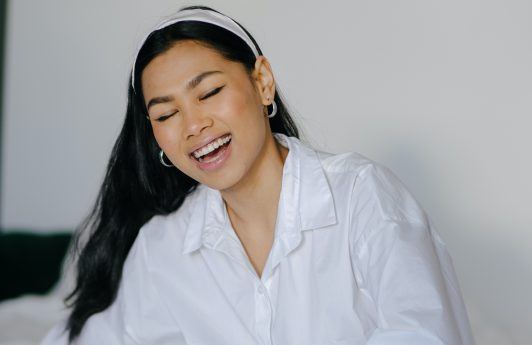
[(212, 93), (164, 117)]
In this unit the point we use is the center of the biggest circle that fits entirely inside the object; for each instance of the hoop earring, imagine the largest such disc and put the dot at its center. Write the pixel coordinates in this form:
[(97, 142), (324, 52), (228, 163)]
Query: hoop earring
[(161, 158), (274, 110)]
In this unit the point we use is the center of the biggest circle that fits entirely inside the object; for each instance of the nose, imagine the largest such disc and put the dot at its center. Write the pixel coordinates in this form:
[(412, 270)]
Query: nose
[(195, 122)]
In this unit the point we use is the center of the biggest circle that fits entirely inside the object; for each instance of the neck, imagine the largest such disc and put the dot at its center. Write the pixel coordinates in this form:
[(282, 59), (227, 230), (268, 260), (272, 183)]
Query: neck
[(252, 203)]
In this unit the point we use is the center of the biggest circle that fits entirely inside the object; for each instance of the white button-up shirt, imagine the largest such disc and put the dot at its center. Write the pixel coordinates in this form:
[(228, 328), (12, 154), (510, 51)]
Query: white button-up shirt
[(355, 260)]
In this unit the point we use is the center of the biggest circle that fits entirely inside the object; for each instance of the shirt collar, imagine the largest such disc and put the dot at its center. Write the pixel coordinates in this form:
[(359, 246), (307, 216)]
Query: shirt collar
[(305, 203)]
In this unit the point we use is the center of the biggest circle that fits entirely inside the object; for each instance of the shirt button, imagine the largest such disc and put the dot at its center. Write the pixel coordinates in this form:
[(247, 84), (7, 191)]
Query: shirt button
[(261, 290)]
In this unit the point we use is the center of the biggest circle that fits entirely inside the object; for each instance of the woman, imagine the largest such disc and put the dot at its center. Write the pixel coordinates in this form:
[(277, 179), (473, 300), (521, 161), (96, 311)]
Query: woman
[(216, 225)]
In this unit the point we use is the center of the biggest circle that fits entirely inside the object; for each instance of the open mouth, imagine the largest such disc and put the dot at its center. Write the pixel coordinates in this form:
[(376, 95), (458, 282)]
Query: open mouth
[(212, 155)]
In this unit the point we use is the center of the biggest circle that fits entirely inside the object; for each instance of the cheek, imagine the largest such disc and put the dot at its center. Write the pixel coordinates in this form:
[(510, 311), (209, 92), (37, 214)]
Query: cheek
[(243, 117), (166, 137), (239, 108)]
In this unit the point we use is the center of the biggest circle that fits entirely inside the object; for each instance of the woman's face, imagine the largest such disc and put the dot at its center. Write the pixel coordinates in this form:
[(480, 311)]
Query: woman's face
[(194, 95)]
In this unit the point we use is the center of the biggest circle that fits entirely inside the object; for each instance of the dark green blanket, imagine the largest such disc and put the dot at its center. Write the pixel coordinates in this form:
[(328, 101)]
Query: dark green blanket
[(30, 262)]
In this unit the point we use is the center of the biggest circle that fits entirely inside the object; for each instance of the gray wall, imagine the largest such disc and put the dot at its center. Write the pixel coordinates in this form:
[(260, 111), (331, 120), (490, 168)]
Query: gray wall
[(441, 92)]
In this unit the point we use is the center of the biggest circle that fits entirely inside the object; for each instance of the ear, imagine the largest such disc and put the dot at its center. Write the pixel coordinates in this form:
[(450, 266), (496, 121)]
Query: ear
[(264, 80)]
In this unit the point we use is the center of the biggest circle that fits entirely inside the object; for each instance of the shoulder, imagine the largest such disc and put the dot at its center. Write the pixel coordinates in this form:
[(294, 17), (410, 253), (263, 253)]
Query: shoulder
[(138, 295), (347, 162), (380, 208), (374, 190), (164, 227)]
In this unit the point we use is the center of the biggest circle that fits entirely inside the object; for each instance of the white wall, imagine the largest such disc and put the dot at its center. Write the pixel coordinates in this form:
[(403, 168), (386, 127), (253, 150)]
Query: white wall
[(441, 92)]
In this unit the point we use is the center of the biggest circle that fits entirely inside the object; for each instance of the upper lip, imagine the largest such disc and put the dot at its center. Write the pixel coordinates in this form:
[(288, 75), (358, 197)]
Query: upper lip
[(206, 141)]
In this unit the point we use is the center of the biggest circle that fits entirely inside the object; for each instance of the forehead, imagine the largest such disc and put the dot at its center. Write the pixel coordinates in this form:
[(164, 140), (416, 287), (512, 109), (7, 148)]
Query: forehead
[(182, 61)]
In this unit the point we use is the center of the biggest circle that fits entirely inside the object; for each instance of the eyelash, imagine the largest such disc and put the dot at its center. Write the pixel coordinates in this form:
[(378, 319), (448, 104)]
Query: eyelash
[(212, 93)]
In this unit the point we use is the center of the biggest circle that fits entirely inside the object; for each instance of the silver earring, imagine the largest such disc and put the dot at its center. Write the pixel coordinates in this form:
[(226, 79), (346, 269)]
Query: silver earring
[(274, 110), (161, 158)]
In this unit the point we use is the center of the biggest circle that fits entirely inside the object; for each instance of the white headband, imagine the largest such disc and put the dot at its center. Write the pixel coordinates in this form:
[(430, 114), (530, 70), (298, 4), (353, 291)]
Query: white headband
[(201, 15)]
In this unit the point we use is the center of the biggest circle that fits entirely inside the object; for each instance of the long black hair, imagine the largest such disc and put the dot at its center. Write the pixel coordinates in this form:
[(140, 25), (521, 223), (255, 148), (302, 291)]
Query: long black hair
[(136, 185)]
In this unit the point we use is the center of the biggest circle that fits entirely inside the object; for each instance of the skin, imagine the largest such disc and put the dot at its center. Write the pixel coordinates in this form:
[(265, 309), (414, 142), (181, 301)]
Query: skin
[(250, 179)]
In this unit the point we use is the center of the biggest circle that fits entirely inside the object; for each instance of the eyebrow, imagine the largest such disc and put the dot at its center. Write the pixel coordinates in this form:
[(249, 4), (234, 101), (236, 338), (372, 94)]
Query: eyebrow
[(190, 85)]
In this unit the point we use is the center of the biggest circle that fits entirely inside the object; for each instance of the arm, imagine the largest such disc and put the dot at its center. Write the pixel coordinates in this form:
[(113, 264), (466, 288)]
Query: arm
[(100, 328), (109, 326), (408, 287), (137, 316)]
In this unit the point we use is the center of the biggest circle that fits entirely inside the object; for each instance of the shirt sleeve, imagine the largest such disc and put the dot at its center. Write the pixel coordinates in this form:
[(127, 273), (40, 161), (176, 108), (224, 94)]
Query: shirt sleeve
[(137, 316), (408, 290), (110, 326)]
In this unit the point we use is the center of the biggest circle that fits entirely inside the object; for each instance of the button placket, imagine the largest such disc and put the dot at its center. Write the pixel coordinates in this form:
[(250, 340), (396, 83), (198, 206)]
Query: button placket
[(263, 314)]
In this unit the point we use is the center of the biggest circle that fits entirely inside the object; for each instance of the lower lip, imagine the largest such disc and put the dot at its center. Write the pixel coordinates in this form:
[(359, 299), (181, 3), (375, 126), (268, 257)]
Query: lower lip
[(216, 162)]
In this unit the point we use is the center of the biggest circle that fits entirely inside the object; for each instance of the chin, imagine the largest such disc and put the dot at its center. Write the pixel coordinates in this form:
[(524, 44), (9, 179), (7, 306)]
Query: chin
[(223, 183), (219, 184)]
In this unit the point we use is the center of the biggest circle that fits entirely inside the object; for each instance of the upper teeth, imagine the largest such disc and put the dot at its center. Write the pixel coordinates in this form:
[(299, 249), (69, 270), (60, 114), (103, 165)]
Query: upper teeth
[(213, 145)]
